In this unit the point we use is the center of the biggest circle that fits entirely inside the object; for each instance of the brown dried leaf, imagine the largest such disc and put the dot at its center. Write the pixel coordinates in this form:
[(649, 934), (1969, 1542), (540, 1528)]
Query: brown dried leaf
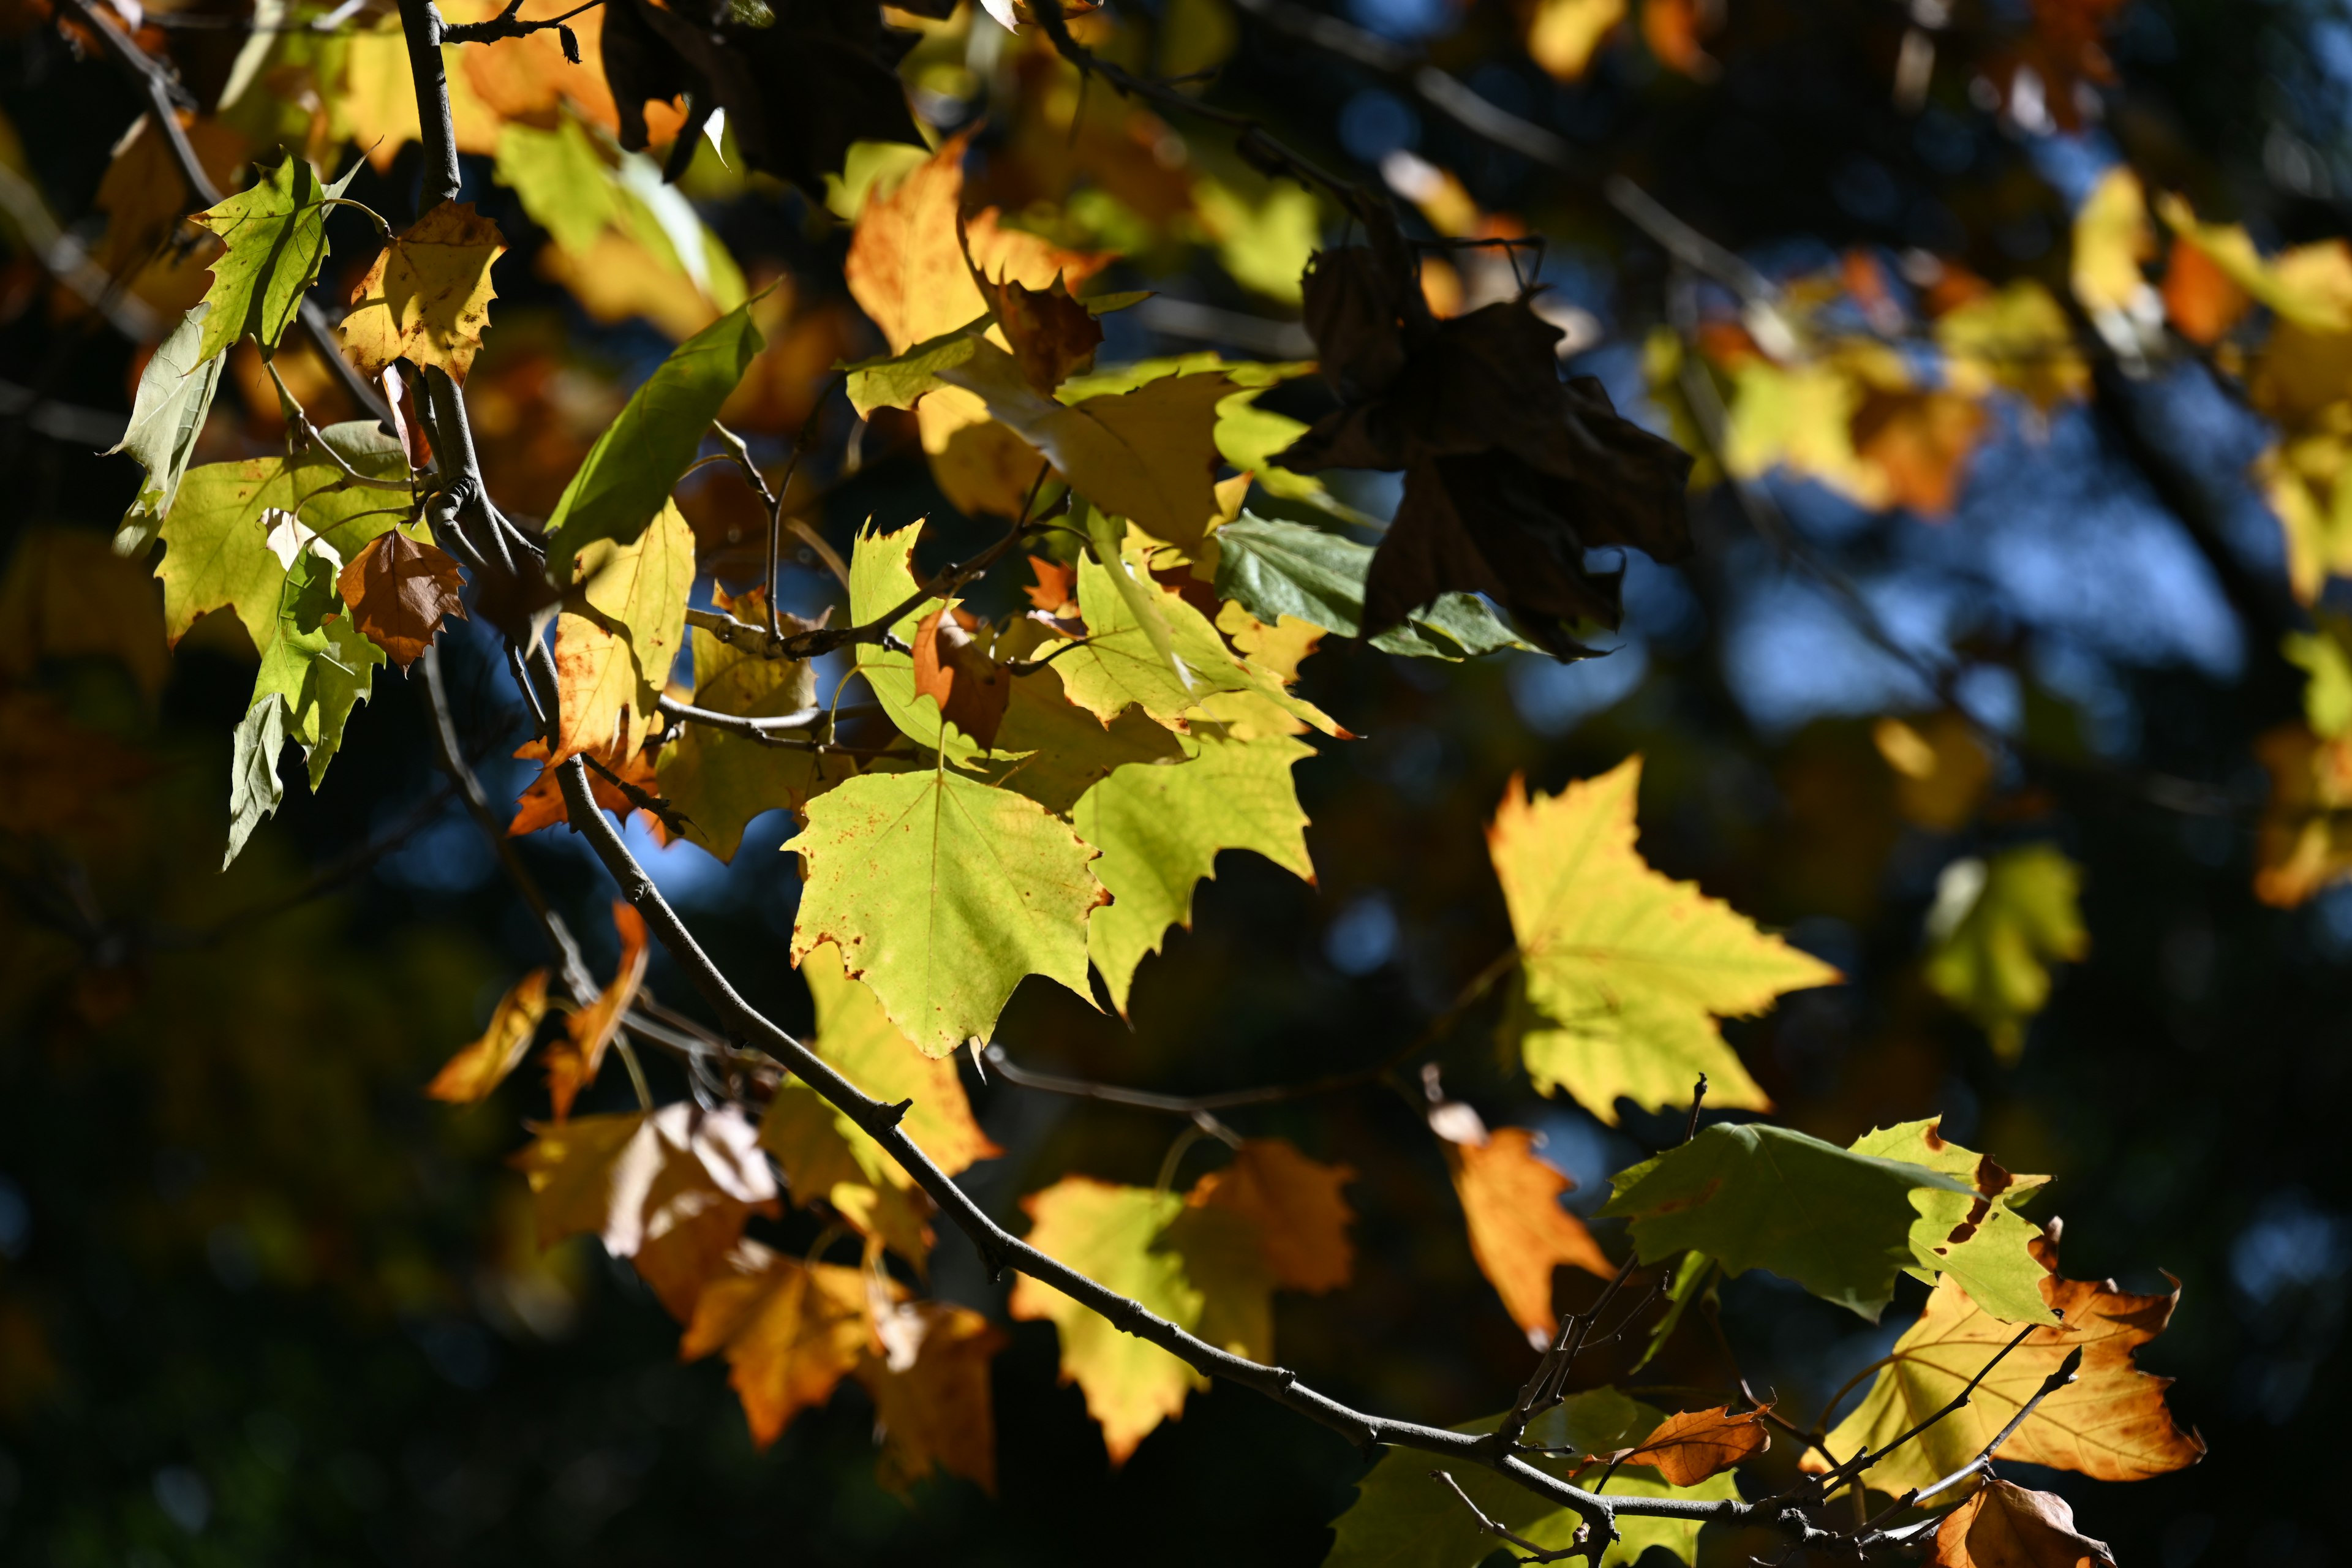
[(542, 804), (469, 1077), (399, 590), (1688, 1447), (953, 670), (2005, 1526), (572, 1064)]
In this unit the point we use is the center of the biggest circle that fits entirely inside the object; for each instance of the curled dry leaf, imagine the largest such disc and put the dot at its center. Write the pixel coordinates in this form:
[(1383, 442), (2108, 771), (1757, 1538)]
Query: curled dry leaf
[(953, 670), (1688, 1447), (1519, 1232), (427, 298), (398, 591), (572, 1065), (542, 804), (471, 1075), (2005, 1526)]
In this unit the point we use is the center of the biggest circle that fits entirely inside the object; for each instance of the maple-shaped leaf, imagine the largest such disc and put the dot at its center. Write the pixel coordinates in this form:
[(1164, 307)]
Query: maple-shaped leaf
[(398, 591), (1404, 1518), (931, 1390), (826, 1155), (1053, 336), (314, 658), (718, 780), (541, 802), (954, 670), (624, 483), (427, 300), (1149, 454), (1119, 661), (1758, 1196), (2304, 842), (1276, 569), (1294, 1204), (1626, 971), (276, 233), (216, 549), (2006, 1526), (1160, 829), (572, 1065), (2110, 1423), (1997, 927), (1511, 474), (1981, 1240), (798, 89), (1046, 747), (942, 893), (618, 635), (469, 1077), (669, 1190), (167, 415), (1688, 1447), (910, 271), (791, 1331), (1519, 1231), (1197, 1266)]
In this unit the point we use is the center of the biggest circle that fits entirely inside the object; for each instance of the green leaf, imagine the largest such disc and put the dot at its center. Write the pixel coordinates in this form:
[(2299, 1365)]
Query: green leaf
[(720, 781), (1273, 569), (1624, 971), (1106, 542), (561, 179), (1404, 1518), (1836, 1222), (1692, 1277), (618, 635), (276, 233), (1996, 928), (217, 554), (175, 393), (1161, 828), (896, 381), (254, 789), (319, 663), (2325, 656), (941, 893), (638, 460), (1978, 1239)]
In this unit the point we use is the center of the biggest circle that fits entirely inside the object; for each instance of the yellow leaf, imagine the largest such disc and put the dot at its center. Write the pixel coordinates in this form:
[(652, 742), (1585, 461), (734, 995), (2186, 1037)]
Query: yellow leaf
[(1941, 769), (427, 298), (1563, 34), (931, 1390), (1625, 971), (791, 1332), (2017, 340), (2112, 238), (618, 635), (1295, 1203), (2305, 842), (471, 1075)]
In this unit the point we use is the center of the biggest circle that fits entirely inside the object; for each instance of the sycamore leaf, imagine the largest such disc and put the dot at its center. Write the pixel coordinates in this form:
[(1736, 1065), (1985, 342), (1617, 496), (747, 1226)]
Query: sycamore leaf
[(827, 1159), (791, 1332), (541, 802), (1756, 1196), (720, 781), (953, 670), (942, 893), (1046, 748), (1273, 569), (2112, 238), (427, 296), (1941, 769), (2005, 1526), (909, 271), (276, 233), (1625, 971), (1053, 336), (1519, 1231), (1404, 1517), (1148, 456), (898, 380), (619, 633), (1118, 664), (254, 789), (216, 552), (1294, 1204), (315, 659), (2017, 340), (175, 393), (2110, 1423), (1160, 829), (399, 590), (625, 482), (1688, 1448), (1979, 1240), (467, 1078), (1996, 928), (2300, 285), (930, 1392), (572, 1065)]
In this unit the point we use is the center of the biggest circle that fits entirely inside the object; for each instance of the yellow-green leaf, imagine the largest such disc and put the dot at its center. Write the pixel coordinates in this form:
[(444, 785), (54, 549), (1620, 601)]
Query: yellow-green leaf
[(618, 635), (276, 233), (1979, 1240), (1996, 928)]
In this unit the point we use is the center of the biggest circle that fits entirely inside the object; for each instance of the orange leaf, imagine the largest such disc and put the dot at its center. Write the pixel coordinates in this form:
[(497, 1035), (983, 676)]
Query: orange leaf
[(542, 805), (572, 1065), (2304, 842), (471, 1075), (930, 1392), (789, 1331), (398, 591), (1921, 442), (2004, 1526), (1519, 1232), (427, 298), (1056, 587), (954, 671), (1295, 1203), (2200, 298), (1052, 335), (1672, 28), (1691, 1446)]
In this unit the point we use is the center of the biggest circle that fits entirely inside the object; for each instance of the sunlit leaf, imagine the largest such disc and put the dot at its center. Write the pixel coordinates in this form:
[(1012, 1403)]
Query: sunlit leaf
[(427, 296), (469, 1077), (1997, 927)]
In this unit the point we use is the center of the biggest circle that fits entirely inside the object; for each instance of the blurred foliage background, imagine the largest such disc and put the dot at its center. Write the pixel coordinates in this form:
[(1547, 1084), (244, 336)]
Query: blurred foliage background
[(261, 1302)]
